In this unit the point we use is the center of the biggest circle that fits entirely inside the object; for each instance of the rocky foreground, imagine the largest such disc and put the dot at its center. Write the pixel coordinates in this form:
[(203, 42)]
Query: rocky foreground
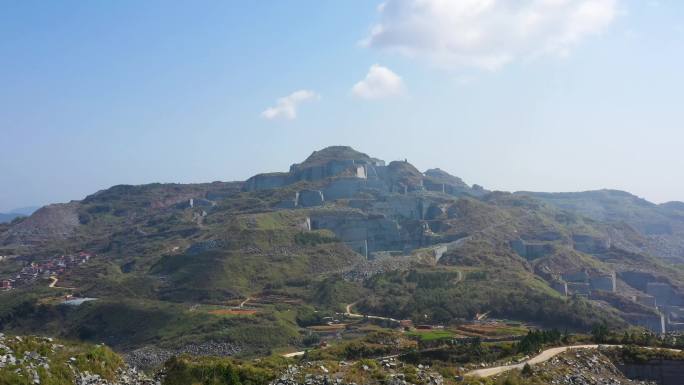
[(579, 367), (30, 360), (390, 370)]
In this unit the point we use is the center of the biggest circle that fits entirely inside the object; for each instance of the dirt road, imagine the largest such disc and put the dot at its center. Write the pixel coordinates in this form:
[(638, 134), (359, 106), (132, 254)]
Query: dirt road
[(349, 313), (53, 284), (243, 303), (541, 357)]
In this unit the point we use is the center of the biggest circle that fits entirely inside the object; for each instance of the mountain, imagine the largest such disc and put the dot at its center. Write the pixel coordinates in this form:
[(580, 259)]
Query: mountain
[(662, 226), (249, 264)]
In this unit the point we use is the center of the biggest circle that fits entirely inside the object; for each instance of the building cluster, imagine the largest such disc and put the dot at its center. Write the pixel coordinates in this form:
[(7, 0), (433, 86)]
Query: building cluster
[(45, 269)]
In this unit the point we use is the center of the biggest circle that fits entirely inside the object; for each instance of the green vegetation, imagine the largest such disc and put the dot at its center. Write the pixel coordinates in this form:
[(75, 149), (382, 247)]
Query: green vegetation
[(535, 340), (460, 353), (639, 355), (314, 238), (131, 323), (432, 335), (415, 293), (219, 371)]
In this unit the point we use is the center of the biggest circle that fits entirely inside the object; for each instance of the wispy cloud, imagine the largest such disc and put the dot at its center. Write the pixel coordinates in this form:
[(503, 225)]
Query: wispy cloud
[(487, 34), (380, 82), (286, 107)]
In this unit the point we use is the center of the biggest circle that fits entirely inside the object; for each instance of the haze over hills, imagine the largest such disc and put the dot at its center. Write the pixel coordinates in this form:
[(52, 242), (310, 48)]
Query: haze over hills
[(16, 213), (339, 229)]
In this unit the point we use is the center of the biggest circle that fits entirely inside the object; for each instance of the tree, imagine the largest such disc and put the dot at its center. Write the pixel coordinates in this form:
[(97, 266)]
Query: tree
[(600, 332)]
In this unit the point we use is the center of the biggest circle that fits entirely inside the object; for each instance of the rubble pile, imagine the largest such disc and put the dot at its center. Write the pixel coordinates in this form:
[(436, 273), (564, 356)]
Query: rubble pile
[(124, 376), (584, 367), (368, 268), (316, 373), (152, 357)]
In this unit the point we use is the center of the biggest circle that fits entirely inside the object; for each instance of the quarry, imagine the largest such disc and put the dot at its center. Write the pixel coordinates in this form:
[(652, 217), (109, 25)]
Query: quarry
[(379, 209)]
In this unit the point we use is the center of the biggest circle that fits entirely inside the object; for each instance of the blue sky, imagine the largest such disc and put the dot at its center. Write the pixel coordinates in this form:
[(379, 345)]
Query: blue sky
[(94, 94)]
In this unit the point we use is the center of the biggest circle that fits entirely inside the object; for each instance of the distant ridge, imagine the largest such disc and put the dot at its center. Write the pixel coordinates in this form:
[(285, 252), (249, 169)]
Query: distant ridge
[(16, 213)]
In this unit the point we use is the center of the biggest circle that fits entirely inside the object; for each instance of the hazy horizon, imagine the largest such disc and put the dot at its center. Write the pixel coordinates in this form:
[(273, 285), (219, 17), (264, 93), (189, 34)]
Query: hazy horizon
[(556, 96), (286, 167)]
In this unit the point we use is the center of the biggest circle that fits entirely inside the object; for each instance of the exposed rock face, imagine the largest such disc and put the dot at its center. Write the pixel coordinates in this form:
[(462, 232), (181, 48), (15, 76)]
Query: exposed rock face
[(343, 188), (396, 206), (665, 372), (50, 223), (664, 294), (402, 177), (336, 161), (604, 282), (589, 244), (441, 181), (366, 234), (660, 227), (637, 279), (531, 251), (267, 181), (654, 323), (347, 172), (310, 198)]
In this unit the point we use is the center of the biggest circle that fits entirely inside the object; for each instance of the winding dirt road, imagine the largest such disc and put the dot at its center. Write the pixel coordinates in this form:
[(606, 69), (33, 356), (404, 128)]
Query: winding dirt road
[(243, 303), (545, 356), (349, 313), (541, 357), (53, 284)]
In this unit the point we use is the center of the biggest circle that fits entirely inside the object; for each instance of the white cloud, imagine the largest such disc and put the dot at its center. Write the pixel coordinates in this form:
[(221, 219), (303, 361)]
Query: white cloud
[(379, 83), (286, 107), (487, 33)]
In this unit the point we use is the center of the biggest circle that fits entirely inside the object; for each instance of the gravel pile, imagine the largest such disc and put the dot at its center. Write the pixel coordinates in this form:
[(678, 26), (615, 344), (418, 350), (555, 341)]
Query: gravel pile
[(315, 373), (151, 357), (584, 367)]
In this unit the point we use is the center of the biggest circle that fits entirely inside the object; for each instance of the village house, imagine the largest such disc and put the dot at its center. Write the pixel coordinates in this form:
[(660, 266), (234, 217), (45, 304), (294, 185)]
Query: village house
[(45, 269), (6, 284)]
